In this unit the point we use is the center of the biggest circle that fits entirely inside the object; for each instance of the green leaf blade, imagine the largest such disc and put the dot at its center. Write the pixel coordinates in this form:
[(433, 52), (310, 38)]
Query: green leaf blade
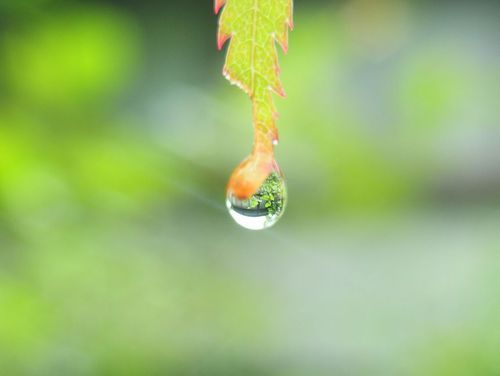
[(254, 27)]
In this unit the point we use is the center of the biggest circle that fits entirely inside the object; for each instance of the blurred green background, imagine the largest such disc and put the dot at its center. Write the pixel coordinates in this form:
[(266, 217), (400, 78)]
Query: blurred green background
[(117, 136)]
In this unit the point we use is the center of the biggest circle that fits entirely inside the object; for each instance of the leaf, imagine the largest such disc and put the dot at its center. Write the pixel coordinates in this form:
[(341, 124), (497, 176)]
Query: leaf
[(254, 27)]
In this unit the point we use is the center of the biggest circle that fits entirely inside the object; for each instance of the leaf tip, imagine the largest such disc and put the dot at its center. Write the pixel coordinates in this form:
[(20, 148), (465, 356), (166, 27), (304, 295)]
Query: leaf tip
[(218, 4), (284, 45), (280, 91), (221, 39)]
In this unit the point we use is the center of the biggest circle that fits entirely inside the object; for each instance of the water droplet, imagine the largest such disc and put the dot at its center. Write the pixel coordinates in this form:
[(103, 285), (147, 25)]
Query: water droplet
[(264, 208)]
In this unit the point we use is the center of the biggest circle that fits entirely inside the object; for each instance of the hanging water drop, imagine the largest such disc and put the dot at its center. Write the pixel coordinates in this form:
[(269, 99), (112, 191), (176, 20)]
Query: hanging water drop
[(264, 208)]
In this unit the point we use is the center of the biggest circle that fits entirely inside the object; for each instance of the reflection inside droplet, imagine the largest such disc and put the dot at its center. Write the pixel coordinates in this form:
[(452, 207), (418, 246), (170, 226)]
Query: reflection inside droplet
[(264, 208)]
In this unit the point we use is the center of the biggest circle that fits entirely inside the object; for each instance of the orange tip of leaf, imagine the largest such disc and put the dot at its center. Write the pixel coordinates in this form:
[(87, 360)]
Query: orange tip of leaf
[(221, 39), (218, 5), (284, 45), (281, 92)]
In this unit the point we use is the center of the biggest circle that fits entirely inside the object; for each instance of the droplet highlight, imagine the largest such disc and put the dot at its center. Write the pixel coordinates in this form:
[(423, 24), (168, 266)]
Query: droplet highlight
[(264, 208)]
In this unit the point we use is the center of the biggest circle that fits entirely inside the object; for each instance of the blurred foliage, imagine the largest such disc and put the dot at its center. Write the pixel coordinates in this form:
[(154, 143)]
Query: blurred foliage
[(71, 58), (117, 134)]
